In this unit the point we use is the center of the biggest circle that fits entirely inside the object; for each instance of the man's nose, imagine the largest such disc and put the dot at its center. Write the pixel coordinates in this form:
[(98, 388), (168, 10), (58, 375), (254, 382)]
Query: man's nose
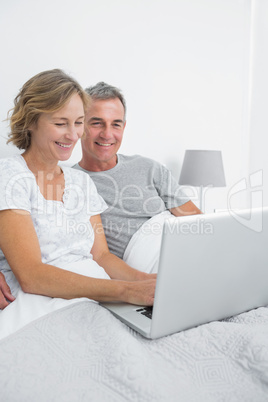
[(106, 132)]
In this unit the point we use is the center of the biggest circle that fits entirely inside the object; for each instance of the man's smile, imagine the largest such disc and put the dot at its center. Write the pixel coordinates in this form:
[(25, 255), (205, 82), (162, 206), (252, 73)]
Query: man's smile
[(103, 144)]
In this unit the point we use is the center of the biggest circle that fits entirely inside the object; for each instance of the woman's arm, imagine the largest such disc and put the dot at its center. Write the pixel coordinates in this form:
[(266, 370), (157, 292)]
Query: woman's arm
[(113, 265), (19, 243)]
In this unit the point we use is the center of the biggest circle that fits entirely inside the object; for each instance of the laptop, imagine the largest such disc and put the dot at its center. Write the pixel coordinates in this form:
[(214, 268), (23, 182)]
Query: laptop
[(211, 267)]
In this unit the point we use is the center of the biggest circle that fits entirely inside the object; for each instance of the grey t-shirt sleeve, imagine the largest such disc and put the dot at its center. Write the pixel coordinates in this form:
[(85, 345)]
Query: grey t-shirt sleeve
[(168, 188), (136, 189)]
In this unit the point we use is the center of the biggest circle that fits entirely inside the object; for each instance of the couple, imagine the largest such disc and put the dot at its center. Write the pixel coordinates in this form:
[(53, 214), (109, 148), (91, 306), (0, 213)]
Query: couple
[(111, 194)]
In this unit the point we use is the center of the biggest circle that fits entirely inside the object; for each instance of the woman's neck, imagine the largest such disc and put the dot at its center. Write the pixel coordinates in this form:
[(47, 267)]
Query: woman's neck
[(37, 165), (49, 177)]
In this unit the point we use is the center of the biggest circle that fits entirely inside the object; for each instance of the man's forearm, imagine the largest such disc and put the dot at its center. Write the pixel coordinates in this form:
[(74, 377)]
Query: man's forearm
[(189, 208)]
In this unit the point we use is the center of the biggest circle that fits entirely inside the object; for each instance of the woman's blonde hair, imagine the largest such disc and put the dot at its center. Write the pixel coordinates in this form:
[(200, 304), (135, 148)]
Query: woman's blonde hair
[(46, 92)]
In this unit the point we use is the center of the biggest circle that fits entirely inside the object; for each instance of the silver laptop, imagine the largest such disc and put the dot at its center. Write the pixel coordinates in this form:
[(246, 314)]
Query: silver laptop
[(211, 267)]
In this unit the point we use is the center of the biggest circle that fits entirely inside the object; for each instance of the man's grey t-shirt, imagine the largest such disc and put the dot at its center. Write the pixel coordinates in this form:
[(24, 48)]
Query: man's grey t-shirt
[(135, 190)]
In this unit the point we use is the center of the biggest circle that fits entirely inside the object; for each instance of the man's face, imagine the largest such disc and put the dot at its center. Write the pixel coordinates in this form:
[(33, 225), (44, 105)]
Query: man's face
[(104, 128)]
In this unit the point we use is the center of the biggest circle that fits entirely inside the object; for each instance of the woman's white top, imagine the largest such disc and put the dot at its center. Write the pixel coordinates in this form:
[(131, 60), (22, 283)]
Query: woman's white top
[(63, 228)]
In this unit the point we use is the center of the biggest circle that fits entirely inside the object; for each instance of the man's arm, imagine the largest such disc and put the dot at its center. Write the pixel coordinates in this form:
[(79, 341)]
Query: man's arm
[(5, 293), (189, 208)]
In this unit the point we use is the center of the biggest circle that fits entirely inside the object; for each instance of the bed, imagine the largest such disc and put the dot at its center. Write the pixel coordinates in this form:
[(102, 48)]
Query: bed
[(81, 352), (59, 350)]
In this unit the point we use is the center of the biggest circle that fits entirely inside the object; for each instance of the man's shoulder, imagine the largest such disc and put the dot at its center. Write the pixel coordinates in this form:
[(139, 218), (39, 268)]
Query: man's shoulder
[(76, 175), (125, 162), (136, 159), (78, 170)]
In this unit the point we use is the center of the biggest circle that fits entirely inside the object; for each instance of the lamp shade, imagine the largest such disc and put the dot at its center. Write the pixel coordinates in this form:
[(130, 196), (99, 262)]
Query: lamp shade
[(202, 168)]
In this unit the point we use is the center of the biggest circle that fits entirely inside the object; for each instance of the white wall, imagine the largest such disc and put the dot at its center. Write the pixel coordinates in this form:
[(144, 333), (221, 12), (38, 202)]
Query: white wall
[(183, 65), (258, 145)]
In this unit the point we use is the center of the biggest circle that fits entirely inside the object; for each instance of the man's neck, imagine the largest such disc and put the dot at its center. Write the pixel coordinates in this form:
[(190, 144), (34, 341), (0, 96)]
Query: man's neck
[(96, 165)]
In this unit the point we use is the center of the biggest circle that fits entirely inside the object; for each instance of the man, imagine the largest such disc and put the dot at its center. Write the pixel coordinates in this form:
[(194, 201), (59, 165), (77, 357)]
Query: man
[(134, 187)]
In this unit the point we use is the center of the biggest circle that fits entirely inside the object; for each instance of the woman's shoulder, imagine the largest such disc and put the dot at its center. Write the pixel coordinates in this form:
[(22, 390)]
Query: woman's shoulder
[(12, 165), (16, 183), (10, 159)]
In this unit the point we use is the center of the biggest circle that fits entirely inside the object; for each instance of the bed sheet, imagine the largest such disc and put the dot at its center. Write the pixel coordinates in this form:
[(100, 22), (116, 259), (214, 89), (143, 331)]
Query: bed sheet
[(81, 352), (143, 250)]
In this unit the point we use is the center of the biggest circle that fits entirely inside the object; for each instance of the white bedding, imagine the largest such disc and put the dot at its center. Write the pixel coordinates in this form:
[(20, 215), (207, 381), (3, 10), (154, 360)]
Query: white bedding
[(83, 353), (59, 350), (143, 250), (27, 308)]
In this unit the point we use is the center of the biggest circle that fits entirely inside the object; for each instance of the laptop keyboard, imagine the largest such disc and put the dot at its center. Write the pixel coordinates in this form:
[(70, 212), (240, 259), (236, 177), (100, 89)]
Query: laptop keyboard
[(147, 311)]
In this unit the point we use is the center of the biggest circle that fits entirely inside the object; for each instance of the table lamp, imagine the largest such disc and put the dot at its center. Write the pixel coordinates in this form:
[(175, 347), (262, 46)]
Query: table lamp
[(203, 169)]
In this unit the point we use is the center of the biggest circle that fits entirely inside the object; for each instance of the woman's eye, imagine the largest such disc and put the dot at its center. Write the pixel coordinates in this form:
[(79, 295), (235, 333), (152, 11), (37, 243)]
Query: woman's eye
[(79, 122), (59, 124)]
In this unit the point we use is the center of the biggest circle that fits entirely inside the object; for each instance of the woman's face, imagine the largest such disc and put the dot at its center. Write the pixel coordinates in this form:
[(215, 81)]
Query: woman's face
[(55, 134)]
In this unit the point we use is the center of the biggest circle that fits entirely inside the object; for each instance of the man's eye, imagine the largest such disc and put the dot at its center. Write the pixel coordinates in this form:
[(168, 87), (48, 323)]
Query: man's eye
[(59, 124)]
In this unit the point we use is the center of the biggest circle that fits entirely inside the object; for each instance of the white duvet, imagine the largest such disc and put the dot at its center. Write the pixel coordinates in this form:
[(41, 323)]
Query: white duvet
[(142, 253), (76, 351), (143, 249), (83, 353), (29, 307)]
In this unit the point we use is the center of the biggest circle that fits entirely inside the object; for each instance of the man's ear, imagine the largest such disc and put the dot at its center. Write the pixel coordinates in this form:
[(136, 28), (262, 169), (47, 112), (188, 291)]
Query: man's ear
[(125, 125)]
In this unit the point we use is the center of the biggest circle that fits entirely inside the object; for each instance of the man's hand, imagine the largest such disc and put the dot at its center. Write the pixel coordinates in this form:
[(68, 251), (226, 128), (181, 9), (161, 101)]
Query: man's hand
[(5, 293)]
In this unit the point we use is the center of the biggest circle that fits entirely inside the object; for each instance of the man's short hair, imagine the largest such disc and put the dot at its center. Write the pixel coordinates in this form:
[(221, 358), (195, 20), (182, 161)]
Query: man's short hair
[(103, 91)]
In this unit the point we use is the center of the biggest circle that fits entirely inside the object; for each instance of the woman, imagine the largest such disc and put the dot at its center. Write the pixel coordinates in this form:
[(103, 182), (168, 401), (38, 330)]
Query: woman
[(51, 234)]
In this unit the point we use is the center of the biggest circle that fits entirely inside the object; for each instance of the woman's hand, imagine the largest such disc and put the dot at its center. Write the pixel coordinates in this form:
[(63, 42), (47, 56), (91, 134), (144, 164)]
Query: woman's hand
[(19, 243), (140, 292), (5, 293), (143, 276)]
